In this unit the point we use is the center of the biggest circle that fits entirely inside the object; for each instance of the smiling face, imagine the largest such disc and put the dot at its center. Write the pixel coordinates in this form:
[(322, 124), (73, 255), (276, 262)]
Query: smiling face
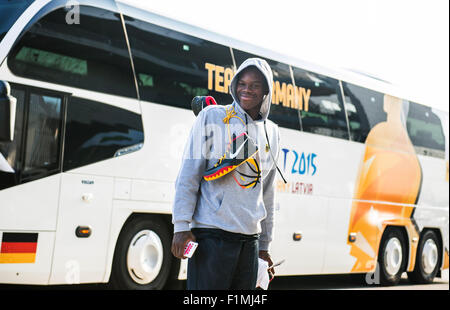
[(250, 90)]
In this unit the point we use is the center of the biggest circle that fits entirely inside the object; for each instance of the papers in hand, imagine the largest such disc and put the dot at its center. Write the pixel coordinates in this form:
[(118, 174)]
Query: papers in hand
[(263, 276)]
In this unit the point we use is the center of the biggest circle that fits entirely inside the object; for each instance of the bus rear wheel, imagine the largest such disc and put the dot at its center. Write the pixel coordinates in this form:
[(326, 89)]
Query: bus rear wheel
[(142, 259), (427, 259), (392, 257)]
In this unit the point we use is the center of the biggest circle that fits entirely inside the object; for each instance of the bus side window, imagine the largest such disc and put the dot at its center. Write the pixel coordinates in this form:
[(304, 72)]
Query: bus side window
[(96, 131), (425, 131), (42, 136), (282, 110), (10, 151), (364, 110), (322, 109), (35, 151), (173, 67), (91, 55)]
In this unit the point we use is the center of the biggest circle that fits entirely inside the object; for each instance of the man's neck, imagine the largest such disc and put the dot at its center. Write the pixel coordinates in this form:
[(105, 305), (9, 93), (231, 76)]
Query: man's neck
[(254, 115)]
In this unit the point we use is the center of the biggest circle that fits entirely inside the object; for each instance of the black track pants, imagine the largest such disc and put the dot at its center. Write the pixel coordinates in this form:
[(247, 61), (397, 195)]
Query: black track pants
[(223, 261)]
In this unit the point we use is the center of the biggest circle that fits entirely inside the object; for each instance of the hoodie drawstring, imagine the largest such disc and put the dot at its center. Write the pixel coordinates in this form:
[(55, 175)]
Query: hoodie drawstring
[(229, 115), (273, 158)]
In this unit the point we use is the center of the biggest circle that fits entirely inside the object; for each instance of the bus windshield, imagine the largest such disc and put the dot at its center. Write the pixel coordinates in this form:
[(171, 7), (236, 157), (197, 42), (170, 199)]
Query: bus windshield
[(10, 12)]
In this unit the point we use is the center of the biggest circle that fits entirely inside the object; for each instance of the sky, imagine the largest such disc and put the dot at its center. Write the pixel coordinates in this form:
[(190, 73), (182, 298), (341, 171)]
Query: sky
[(405, 42)]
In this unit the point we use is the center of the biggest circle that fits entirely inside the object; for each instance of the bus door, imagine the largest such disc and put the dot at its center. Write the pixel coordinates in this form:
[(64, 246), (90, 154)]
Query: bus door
[(30, 167), (83, 228)]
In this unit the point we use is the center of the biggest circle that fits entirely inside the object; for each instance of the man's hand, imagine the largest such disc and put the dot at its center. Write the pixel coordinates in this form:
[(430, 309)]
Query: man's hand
[(179, 242), (266, 256)]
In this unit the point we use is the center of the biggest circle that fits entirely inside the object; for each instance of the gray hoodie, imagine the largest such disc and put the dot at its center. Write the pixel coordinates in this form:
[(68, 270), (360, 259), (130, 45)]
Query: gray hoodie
[(222, 203)]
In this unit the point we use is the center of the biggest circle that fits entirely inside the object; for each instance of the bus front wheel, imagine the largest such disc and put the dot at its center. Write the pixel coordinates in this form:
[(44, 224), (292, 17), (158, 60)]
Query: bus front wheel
[(142, 259)]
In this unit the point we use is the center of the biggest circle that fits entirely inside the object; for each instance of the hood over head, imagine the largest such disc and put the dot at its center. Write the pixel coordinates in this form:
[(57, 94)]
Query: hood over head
[(265, 69)]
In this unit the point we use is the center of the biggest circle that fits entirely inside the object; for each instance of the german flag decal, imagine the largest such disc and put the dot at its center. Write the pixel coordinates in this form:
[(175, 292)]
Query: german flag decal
[(18, 248)]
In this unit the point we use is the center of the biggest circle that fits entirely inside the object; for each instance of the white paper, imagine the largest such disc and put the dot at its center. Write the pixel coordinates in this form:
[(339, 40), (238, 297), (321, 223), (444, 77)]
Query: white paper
[(263, 275)]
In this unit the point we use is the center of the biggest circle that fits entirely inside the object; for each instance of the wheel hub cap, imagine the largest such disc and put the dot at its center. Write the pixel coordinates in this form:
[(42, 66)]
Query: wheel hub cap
[(393, 256), (429, 256), (145, 256)]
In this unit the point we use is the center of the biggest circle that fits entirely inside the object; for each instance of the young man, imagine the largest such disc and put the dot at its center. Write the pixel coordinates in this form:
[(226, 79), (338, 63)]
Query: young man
[(225, 188)]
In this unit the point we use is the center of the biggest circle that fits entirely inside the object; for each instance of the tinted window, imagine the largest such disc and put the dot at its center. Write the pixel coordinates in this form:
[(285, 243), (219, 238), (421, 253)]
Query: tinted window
[(173, 67), (96, 131), (35, 150), (364, 110), (42, 134), (283, 110), (90, 55), (10, 151), (322, 111), (10, 12), (425, 130)]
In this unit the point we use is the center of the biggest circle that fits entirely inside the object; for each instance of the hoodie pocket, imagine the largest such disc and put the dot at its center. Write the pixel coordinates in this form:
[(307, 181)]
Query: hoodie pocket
[(217, 201), (223, 202), (227, 199)]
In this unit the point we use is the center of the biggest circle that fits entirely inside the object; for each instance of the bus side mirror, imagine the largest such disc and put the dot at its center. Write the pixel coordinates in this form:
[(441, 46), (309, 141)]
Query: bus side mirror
[(7, 113)]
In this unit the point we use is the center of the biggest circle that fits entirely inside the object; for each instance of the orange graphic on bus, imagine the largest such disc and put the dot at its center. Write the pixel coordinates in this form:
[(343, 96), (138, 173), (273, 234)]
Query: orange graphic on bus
[(389, 172)]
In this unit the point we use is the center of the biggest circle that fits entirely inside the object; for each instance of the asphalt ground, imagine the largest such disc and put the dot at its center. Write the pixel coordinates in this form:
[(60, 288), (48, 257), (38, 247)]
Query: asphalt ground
[(322, 282), (352, 282)]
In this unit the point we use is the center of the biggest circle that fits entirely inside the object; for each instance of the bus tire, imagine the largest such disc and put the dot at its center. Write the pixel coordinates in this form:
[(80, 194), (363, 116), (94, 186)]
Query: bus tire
[(392, 257), (427, 259), (142, 259)]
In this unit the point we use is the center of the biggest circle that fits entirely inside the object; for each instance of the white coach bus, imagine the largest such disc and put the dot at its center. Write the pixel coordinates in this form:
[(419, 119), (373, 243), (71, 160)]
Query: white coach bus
[(98, 95)]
